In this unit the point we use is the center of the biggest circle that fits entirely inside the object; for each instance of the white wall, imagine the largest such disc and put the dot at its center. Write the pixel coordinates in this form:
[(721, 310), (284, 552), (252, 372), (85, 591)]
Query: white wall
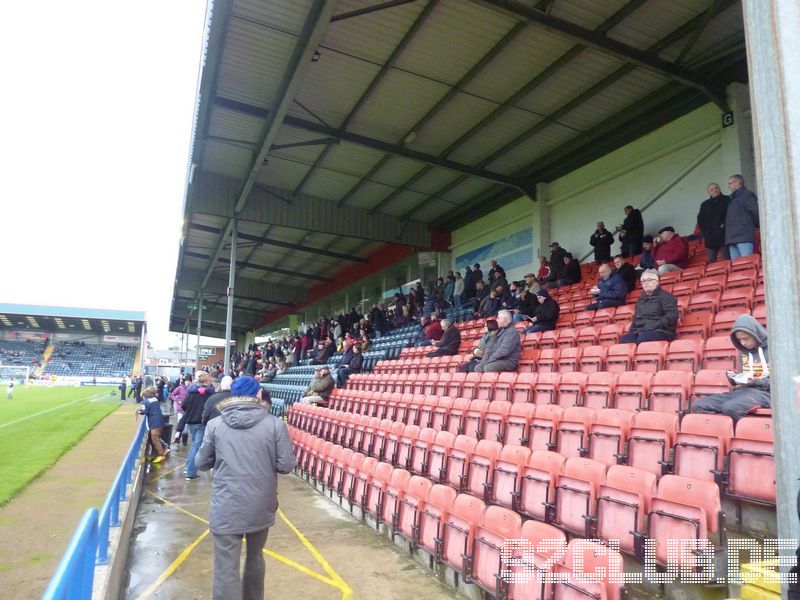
[(665, 174)]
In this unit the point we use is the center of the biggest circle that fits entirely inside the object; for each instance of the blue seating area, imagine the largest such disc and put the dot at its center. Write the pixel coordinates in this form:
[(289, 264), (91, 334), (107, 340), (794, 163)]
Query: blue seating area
[(20, 353), (398, 339), (78, 359), (459, 314)]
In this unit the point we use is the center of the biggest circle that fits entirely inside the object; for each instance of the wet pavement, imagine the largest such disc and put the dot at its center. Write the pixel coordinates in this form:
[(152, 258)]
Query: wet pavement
[(316, 551)]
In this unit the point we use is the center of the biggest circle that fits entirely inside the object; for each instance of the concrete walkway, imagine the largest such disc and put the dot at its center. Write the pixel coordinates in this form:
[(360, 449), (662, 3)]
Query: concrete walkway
[(314, 551)]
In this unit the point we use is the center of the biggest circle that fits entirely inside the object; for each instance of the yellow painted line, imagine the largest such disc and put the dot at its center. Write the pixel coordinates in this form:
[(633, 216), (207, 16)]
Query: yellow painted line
[(279, 557), (165, 473), (173, 567), (341, 584)]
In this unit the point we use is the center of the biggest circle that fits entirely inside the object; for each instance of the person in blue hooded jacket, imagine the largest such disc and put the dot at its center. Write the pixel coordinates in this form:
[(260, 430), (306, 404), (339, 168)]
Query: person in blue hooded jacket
[(751, 384), (610, 290), (151, 409)]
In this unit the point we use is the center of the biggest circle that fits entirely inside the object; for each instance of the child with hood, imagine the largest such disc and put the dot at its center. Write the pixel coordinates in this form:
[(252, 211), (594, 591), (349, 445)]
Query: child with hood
[(751, 383)]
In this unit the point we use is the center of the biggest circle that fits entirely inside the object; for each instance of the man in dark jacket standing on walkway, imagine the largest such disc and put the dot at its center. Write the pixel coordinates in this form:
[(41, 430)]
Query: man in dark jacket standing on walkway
[(741, 220), (656, 315), (192, 419), (711, 221), (247, 448)]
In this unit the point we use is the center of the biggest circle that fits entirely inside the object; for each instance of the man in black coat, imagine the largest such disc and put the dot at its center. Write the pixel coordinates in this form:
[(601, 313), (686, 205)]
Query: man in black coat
[(627, 271), (656, 315), (568, 274), (711, 222), (450, 341), (631, 232), (546, 314), (601, 240), (741, 220)]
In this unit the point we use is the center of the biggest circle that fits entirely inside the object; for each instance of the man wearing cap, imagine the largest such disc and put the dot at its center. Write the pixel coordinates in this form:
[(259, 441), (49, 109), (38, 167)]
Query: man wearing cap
[(320, 387), (656, 315), (671, 252), (247, 448), (568, 273)]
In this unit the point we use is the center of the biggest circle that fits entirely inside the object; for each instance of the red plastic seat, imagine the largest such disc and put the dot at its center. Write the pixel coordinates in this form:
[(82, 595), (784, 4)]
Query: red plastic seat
[(458, 531), (507, 475), (455, 416), (701, 446), (603, 316), (527, 360), (547, 361), (712, 283), (420, 449), (485, 389), (684, 355), (723, 321), (684, 509), (650, 356), (530, 562), (622, 505), (597, 574), (546, 388), (623, 315), (432, 516), (751, 461), (719, 353), (480, 468), (410, 506), (569, 359), (600, 388), (438, 454), (669, 391), (611, 334), (632, 390), (695, 324), (742, 279), (494, 419), (576, 494), (740, 298), (376, 487), (402, 455), (572, 433), (538, 485), (650, 441), (472, 422), (571, 389), (549, 340), (587, 336), (515, 430), (759, 298), (503, 386), (745, 263), (458, 460), (620, 357), (721, 267), (393, 495), (499, 525), (707, 382), (760, 314), (522, 390), (583, 318), (608, 435), (593, 359), (706, 302), (541, 434), (567, 338)]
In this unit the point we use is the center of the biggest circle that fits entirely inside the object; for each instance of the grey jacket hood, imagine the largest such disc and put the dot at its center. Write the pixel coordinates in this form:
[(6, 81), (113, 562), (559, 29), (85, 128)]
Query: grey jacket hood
[(242, 412), (748, 324)]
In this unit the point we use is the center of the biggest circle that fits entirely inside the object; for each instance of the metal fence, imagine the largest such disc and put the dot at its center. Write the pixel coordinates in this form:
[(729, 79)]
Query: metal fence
[(74, 577)]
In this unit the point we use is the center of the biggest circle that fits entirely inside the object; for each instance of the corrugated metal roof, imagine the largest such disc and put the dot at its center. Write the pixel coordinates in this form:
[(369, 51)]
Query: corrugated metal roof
[(261, 35)]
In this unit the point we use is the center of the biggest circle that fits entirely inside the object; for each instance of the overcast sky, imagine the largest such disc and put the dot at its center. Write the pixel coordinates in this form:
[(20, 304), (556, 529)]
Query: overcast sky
[(95, 125)]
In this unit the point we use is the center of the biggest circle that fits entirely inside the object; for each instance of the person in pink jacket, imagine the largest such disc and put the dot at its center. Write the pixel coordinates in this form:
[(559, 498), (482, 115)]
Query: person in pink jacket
[(178, 395)]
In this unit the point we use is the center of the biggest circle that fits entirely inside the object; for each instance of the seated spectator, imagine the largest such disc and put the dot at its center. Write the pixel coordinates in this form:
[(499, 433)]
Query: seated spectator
[(351, 363), (545, 314), (319, 389), (752, 383), (499, 281), (671, 252), (656, 314), (431, 330), (324, 352), (646, 260), (502, 354), (450, 341), (489, 305), (527, 305), (508, 297), (610, 290), (477, 353), (568, 274), (626, 271), (601, 240)]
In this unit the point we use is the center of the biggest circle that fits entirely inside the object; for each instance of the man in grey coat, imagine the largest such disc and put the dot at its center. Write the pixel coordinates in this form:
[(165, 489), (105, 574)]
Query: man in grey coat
[(741, 220), (247, 448), (503, 353)]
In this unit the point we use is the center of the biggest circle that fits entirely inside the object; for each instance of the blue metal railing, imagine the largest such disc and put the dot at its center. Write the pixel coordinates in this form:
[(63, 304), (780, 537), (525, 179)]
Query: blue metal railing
[(88, 547)]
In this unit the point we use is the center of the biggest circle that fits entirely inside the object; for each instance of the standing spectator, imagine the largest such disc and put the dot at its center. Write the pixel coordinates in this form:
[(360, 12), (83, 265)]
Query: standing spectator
[(449, 286), (631, 232), (626, 271), (741, 220), (319, 388), (495, 268), (450, 341), (601, 240), (671, 252), (458, 290), (476, 269), (193, 406), (751, 384), (123, 386), (503, 352), (178, 395), (546, 313), (211, 407), (711, 222), (656, 315), (247, 448), (610, 290), (557, 254), (151, 409), (137, 390), (10, 390)]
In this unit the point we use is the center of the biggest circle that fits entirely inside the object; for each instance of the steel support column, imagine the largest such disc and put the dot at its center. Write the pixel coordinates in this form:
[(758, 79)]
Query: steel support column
[(773, 53), (199, 329), (231, 282)]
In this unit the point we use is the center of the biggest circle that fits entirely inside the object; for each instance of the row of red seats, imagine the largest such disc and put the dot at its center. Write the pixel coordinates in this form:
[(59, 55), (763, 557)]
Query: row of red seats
[(578, 495), (666, 391), (687, 354), (464, 444)]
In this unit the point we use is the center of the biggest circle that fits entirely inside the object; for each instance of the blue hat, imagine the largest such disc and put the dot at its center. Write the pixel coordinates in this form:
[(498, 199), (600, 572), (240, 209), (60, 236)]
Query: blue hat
[(543, 293), (245, 386)]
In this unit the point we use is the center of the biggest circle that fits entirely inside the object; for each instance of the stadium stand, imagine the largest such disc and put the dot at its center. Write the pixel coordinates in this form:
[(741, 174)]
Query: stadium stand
[(20, 353), (590, 436), (79, 359)]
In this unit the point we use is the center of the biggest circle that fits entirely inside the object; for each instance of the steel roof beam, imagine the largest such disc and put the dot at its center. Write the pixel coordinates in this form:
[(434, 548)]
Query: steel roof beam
[(429, 159), (215, 194), (263, 240), (246, 289), (625, 52), (409, 34), (369, 9), (249, 265)]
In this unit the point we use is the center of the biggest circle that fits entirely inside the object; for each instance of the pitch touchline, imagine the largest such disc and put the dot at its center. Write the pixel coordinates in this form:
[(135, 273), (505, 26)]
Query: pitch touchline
[(41, 412)]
